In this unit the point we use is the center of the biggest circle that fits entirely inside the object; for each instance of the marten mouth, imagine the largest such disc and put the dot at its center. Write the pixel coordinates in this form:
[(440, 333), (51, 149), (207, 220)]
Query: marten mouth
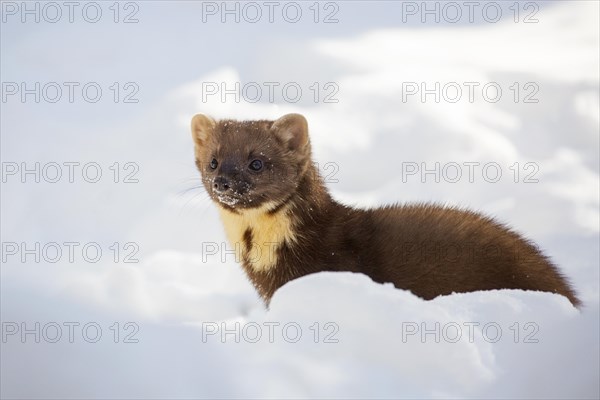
[(232, 201), (228, 200)]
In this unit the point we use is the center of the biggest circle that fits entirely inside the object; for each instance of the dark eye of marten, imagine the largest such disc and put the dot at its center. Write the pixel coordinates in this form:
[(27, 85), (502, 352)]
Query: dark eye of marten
[(213, 163), (256, 165)]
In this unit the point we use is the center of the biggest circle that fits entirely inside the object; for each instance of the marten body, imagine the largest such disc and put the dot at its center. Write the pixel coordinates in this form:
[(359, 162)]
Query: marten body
[(284, 224)]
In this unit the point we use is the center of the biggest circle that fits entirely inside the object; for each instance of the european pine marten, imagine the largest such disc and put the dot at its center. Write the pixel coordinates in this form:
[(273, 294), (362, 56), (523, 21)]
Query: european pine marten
[(284, 224)]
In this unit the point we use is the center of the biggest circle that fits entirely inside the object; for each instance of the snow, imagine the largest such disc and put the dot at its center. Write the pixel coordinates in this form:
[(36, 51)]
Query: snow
[(187, 283)]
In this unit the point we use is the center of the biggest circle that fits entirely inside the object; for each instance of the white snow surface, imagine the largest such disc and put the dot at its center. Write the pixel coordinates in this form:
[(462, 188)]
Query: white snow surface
[(357, 338)]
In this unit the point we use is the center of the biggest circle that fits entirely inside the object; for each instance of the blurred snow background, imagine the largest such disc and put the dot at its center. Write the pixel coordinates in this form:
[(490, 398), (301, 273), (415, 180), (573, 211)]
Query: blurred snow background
[(178, 287)]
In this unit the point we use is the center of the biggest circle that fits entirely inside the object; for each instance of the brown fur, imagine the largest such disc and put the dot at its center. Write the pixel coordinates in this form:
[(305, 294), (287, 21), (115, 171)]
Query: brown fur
[(287, 225)]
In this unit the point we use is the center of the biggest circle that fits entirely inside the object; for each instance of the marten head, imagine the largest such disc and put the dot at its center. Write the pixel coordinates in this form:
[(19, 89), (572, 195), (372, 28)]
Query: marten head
[(251, 164)]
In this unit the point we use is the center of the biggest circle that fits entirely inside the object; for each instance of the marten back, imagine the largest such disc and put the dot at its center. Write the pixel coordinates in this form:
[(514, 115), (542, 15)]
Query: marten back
[(431, 251), (281, 219)]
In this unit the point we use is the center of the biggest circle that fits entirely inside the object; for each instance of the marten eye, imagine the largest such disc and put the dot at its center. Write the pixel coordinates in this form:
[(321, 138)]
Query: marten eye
[(213, 163), (256, 165)]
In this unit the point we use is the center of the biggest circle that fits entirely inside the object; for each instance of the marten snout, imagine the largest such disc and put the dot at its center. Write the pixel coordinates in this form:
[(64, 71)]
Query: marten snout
[(221, 184)]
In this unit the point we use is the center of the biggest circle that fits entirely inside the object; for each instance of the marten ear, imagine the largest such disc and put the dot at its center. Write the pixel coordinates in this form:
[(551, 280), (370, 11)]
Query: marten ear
[(202, 128), (292, 129)]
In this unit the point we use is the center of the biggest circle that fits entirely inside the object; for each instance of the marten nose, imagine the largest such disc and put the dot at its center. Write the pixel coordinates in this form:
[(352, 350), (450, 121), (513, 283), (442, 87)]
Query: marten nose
[(221, 184)]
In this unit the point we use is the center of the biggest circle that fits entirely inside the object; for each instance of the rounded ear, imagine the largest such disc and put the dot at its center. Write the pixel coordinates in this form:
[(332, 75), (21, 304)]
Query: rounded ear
[(202, 128), (292, 129)]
